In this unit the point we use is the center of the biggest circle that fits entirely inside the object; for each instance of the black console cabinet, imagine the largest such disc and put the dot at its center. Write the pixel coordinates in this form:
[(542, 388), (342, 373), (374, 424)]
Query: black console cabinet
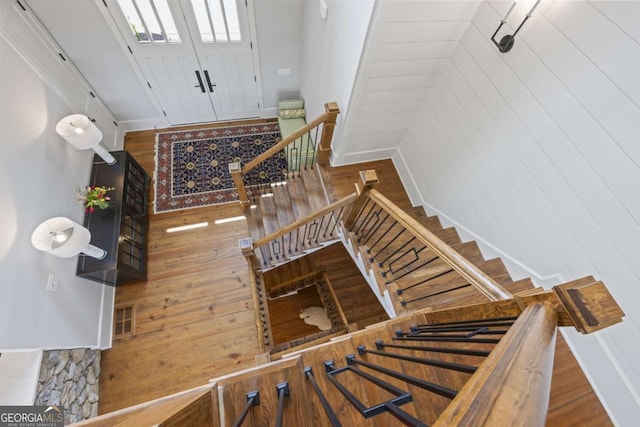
[(121, 229)]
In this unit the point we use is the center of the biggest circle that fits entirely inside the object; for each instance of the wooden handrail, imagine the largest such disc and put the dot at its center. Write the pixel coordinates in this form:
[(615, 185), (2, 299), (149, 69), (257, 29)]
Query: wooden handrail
[(280, 145), (153, 412), (302, 221), (512, 385), (345, 322), (476, 277), (253, 282)]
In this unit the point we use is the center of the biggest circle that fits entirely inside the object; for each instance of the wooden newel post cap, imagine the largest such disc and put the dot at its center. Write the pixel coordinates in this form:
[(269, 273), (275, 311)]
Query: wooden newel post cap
[(332, 108), (369, 177), (234, 167), (246, 246)]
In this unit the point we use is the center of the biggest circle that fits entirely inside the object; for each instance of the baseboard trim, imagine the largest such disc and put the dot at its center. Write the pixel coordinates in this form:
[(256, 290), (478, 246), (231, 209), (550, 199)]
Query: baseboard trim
[(144, 124), (408, 182), (361, 157)]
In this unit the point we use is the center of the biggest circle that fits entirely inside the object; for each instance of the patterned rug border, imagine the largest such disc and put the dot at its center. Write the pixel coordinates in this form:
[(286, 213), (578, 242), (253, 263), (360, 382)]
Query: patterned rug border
[(199, 134)]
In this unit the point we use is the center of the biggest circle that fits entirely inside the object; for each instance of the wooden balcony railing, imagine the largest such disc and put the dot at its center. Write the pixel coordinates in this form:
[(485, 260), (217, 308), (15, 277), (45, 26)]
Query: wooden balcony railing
[(482, 365), (295, 148)]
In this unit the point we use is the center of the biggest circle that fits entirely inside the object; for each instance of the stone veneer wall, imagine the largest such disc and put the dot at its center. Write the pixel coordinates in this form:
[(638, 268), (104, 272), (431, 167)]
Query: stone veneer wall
[(69, 378)]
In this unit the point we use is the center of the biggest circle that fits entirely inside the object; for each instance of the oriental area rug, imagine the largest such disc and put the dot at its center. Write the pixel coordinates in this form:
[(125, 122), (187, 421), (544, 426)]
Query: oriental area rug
[(192, 166)]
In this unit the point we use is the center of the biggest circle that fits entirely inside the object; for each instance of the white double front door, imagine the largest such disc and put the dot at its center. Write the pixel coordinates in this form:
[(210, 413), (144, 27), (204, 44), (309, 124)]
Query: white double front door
[(196, 56)]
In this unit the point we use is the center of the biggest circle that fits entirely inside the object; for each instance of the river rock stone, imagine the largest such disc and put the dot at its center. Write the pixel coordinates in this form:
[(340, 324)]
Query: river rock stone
[(70, 378)]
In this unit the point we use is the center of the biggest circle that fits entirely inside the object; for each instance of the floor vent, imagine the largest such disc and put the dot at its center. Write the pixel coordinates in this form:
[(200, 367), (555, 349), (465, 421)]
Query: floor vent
[(124, 324)]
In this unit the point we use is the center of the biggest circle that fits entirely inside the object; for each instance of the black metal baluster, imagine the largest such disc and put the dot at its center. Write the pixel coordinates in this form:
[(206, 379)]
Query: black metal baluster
[(357, 219), (282, 390), (337, 220), (380, 264), (374, 231), (402, 416), (299, 157), (429, 261), (264, 257), (424, 361), (367, 219), (474, 321), (374, 226), (326, 228), (393, 239), (416, 331), (304, 235), (253, 399), (416, 254), (482, 331), (392, 405), (427, 385), (441, 339), (315, 145), (409, 301), (450, 270), (333, 419), (319, 228), (313, 229), (382, 235), (467, 352)]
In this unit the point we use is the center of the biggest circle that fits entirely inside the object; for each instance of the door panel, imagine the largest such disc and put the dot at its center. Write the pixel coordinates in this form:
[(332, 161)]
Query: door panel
[(235, 93), (182, 101)]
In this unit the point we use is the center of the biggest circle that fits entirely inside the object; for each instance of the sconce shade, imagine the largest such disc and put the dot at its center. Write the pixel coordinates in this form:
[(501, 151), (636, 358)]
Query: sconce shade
[(79, 131), (64, 238)]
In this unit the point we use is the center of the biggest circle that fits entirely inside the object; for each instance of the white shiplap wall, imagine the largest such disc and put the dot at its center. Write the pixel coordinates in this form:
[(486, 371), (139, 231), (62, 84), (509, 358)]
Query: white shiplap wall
[(536, 153), (408, 43)]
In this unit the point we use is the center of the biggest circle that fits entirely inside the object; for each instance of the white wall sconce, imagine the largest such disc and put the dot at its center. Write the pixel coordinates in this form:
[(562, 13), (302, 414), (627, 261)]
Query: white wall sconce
[(80, 132), (506, 42), (64, 238)]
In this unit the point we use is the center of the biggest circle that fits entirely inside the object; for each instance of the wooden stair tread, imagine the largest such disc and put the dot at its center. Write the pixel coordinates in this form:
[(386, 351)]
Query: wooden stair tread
[(269, 214), (298, 197), (314, 189), (283, 205), (254, 222)]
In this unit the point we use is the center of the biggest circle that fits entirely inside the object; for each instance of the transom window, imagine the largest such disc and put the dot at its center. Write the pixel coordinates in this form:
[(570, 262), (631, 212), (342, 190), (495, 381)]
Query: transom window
[(217, 20), (150, 20)]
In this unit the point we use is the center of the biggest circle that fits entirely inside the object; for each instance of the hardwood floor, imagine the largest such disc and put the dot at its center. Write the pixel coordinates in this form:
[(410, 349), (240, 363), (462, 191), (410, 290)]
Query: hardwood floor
[(195, 319), (194, 316), (286, 324)]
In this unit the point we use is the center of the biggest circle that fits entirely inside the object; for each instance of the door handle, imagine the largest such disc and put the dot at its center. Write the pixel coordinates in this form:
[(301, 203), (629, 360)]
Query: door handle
[(206, 76), (200, 84)]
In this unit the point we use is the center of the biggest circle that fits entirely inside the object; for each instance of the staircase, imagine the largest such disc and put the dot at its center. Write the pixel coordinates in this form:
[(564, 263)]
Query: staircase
[(465, 344)]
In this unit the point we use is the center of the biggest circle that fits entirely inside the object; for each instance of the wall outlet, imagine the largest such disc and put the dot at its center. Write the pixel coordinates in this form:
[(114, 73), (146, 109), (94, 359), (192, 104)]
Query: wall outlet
[(284, 71), (53, 282)]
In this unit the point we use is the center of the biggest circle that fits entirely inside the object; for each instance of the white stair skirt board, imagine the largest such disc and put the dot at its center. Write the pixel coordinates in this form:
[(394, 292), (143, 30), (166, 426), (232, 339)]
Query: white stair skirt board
[(370, 277)]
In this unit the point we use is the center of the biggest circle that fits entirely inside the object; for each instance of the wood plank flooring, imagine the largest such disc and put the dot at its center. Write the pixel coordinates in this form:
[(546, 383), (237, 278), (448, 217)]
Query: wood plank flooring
[(195, 317)]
